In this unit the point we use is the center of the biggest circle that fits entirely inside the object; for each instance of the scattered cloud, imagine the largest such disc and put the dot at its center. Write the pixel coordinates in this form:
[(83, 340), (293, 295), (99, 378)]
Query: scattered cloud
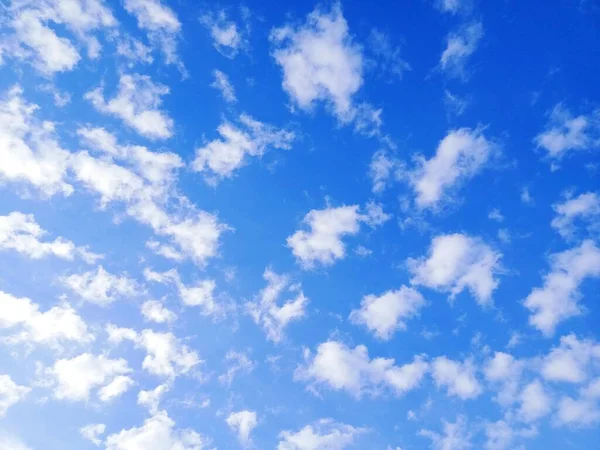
[(456, 435), (93, 433), (460, 46), (101, 287), (243, 422), (457, 377), (10, 393), (222, 84), (584, 209), (322, 434), (228, 37), (387, 57), (154, 311), (238, 362)]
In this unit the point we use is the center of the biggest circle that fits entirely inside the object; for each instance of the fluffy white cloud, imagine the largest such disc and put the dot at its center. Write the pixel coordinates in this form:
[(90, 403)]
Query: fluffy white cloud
[(28, 147), (320, 62), (154, 311), (92, 432), (228, 38), (27, 324), (243, 422), (504, 372), (558, 299), (565, 133), (166, 356), (460, 46), (74, 379), (201, 294), (456, 436), (535, 402), (324, 434), (20, 232), (238, 362), (222, 157), (101, 287), (459, 157), (266, 311), (457, 377), (456, 262), (151, 399), (137, 103), (11, 442), (10, 393), (160, 23), (385, 314), (584, 208), (222, 84), (157, 433), (134, 50), (344, 368), (499, 435), (583, 411), (571, 360)]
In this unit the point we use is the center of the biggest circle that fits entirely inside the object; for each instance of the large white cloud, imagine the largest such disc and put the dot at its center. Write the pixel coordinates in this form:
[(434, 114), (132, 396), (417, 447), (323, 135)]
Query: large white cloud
[(571, 360), (324, 434), (558, 299)]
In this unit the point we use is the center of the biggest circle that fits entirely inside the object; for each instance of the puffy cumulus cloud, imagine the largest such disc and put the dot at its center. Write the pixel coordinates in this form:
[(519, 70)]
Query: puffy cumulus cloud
[(243, 422), (457, 377), (29, 150), (74, 379), (458, 158), (455, 435), (10, 393), (504, 372), (228, 37), (535, 402), (93, 433), (101, 287), (342, 368), (322, 434), (21, 233), (166, 356), (161, 25), (151, 399), (558, 299), (456, 262), (154, 311), (222, 84), (460, 46), (25, 323), (323, 243), (580, 412), (388, 312), (200, 294), (157, 433), (499, 435), (571, 361), (222, 157), (137, 104), (565, 133), (266, 311), (320, 62), (238, 362), (584, 209)]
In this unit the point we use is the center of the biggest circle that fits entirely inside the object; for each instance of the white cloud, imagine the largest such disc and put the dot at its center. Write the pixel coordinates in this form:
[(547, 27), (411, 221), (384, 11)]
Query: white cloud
[(154, 311), (558, 299), (101, 287), (460, 46), (385, 314), (374, 215), (526, 196), (166, 356), (243, 422), (499, 435), (157, 433), (61, 98), (228, 38), (324, 434), (535, 402), (496, 215), (222, 157), (565, 133), (457, 377), (456, 436), (151, 399), (570, 361), (584, 208), (134, 50), (92, 432), (459, 157), (28, 147), (137, 103), (387, 57), (320, 62), (20, 232), (74, 379), (343, 368), (222, 84), (10, 393), (239, 362), (381, 169), (10, 442), (27, 324), (583, 411), (160, 23), (266, 311), (504, 371), (452, 6), (456, 262)]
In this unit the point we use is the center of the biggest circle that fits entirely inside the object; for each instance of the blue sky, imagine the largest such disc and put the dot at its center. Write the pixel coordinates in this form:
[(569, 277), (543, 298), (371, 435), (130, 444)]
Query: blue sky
[(299, 226)]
